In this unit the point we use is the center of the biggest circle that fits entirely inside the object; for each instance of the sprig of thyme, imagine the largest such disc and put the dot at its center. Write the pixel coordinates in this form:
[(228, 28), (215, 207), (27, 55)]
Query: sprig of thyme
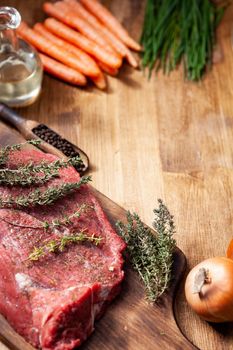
[(5, 151), (151, 254), (65, 221), (46, 197), (58, 245), (27, 174)]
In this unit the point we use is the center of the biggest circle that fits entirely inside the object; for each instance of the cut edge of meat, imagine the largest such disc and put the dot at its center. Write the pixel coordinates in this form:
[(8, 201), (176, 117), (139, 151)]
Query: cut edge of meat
[(71, 320)]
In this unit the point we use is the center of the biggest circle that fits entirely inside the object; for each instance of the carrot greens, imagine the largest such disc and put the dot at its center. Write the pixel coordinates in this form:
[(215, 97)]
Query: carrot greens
[(180, 30)]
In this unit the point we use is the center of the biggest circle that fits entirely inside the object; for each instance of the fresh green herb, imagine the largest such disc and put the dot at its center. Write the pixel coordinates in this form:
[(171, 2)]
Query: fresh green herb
[(66, 221), (176, 30), (151, 254), (5, 151), (59, 245), (46, 197), (27, 174)]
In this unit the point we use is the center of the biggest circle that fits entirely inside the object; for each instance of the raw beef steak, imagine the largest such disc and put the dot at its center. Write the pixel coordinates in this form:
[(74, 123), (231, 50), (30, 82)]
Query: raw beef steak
[(53, 301)]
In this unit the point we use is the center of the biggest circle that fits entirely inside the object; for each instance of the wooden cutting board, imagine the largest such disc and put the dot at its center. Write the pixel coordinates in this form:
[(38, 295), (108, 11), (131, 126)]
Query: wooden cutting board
[(130, 322)]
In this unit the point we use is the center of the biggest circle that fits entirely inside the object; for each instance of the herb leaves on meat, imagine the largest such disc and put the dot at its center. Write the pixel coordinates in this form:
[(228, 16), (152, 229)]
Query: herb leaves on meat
[(151, 254), (58, 245), (5, 151), (45, 197), (27, 175), (67, 220), (55, 223)]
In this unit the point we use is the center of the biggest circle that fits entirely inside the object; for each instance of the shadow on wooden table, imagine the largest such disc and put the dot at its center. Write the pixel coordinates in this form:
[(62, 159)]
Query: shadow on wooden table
[(126, 77), (222, 328)]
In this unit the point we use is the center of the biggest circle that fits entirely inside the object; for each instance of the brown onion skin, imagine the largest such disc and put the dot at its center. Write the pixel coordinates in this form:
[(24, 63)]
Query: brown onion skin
[(215, 301)]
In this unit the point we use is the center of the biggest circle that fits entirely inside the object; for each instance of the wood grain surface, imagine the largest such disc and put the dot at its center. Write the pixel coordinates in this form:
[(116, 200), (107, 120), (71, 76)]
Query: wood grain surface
[(160, 138)]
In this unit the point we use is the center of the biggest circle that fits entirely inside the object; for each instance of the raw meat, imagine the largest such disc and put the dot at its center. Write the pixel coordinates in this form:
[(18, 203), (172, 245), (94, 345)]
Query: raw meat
[(54, 301)]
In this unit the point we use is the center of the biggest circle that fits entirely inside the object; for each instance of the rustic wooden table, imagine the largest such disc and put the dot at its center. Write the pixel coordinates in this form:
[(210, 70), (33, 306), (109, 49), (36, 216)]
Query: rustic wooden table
[(160, 138)]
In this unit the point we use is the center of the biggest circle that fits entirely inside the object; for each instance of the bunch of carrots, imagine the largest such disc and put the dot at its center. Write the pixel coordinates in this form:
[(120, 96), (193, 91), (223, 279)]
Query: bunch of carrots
[(80, 40)]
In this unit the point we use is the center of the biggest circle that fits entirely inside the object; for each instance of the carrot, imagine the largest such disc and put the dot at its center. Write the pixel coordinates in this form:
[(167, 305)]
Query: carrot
[(40, 28), (46, 46), (118, 45), (61, 71), (89, 66), (83, 43), (105, 16), (64, 13), (107, 69), (100, 81), (81, 12)]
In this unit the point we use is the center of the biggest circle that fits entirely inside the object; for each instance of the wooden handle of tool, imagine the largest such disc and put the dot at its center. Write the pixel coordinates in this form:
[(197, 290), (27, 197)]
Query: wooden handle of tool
[(9, 116)]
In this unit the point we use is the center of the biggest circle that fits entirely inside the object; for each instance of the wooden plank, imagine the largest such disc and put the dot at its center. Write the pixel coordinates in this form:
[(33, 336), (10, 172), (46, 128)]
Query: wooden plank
[(160, 138)]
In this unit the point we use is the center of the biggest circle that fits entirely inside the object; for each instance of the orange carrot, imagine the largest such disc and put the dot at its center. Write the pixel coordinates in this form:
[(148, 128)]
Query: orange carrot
[(63, 13), (105, 16), (40, 28), (61, 71), (118, 45), (81, 12), (46, 46), (89, 66), (107, 69), (82, 42), (100, 81)]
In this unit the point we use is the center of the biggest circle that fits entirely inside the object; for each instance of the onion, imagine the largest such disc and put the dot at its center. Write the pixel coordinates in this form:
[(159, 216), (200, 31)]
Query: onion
[(209, 289), (230, 250)]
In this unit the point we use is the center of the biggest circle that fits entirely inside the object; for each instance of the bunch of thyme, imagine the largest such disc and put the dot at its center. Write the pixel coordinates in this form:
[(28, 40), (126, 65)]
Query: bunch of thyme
[(58, 245), (46, 197), (27, 175), (176, 30), (151, 254)]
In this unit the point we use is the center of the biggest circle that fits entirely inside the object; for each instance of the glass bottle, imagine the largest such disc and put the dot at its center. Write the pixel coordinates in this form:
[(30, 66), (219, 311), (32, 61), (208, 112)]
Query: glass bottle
[(20, 66)]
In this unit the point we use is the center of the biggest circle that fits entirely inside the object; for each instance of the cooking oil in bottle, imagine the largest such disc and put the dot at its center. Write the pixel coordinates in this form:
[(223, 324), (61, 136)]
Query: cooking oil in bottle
[(20, 66)]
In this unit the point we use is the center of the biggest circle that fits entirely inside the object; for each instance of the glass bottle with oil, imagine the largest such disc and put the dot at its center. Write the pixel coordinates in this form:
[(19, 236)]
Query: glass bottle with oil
[(20, 66)]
